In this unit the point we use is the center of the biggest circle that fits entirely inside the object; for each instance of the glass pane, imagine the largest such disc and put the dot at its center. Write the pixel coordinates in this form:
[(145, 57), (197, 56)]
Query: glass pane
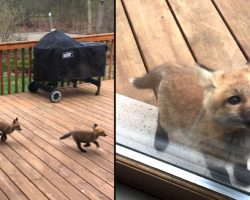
[(136, 127), (191, 116)]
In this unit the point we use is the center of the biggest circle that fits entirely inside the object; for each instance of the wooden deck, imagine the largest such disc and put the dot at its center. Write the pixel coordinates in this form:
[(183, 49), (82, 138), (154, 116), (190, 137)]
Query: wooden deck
[(149, 33), (35, 164)]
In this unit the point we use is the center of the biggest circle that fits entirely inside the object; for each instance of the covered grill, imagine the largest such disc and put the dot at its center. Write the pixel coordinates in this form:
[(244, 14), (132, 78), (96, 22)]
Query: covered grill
[(59, 58)]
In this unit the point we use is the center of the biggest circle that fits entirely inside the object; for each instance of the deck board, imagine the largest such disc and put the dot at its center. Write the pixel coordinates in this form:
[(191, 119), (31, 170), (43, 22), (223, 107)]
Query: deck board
[(29, 189), (3, 196), (34, 176), (129, 63), (180, 32), (55, 169), (236, 14), (208, 36), (9, 187), (157, 33)]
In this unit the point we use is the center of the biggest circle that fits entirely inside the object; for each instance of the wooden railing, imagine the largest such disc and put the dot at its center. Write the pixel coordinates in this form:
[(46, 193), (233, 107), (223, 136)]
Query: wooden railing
[(16, 62)]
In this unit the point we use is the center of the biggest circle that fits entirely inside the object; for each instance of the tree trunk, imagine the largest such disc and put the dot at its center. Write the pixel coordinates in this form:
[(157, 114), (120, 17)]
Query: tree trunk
[(27, 20), (89, 17), (100, 16)]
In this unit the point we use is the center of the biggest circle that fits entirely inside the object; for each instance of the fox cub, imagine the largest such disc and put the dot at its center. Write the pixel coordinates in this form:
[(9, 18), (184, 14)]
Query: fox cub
[(210, 111), (81, 136), (9, 128)]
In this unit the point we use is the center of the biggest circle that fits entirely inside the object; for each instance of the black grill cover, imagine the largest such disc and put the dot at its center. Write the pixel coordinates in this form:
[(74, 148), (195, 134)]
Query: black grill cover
[(58, 57)]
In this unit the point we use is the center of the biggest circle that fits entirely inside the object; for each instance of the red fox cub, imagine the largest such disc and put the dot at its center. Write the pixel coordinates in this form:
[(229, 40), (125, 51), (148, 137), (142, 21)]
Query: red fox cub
[(82, 136), (210, 110), (6, 129)]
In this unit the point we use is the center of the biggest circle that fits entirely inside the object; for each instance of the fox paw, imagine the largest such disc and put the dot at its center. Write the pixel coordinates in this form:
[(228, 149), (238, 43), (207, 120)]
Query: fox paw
[(242, 175), (82, 150), (220, 174), (3, 138), (161, 141)]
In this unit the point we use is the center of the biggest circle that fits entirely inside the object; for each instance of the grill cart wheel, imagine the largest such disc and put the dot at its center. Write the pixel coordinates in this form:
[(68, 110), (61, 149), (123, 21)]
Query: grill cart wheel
[(33, 87), (55, 96)]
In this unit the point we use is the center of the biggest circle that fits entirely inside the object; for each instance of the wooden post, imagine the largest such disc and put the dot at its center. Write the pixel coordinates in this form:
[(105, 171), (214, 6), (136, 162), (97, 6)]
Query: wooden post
[(111, 59), (16, 71), (29, 69), (1, 71), (100, 16), (8, 72), (50, 21), (23, 82)]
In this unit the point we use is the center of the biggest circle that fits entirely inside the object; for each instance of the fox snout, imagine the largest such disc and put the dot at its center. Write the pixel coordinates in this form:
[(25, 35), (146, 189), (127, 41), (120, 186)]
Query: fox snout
[(17, 128), (245, 115), (102, 133)]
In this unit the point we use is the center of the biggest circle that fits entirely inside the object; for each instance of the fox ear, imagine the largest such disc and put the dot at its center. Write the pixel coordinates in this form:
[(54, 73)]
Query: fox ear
[(15, 120), (94, 126), (206, 76)]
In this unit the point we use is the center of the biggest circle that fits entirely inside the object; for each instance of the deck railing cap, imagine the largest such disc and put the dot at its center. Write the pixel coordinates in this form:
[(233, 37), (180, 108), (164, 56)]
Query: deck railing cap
[(30, 44)]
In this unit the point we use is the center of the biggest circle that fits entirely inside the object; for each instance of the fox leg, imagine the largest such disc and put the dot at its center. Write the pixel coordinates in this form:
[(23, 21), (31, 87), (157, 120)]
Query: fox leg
[(79, 146), (217, 170), (87, 144), (4, 136), (161, 137), (97, 144), (239, 153), (241, 173)]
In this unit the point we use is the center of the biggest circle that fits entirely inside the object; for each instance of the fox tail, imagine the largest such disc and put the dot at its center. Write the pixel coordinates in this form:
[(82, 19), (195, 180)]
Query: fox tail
[(150, 80), (65, 136)]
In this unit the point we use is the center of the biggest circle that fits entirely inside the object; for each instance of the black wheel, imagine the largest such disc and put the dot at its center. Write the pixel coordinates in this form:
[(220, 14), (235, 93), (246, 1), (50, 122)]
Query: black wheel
[(33, 87), (55, 96)]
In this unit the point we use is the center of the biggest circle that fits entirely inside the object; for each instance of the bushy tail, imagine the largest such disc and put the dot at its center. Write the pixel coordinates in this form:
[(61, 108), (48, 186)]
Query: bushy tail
[(65, 136), (150, 80)]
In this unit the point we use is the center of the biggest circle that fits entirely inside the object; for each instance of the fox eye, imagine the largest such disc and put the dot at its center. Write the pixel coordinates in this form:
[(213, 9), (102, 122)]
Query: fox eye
[(234, 100)]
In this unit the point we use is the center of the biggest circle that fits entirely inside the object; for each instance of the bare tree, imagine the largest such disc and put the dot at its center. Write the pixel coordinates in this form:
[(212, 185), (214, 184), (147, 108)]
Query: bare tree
[(100, 16), (89, 17), (27, 20), (10, 15)]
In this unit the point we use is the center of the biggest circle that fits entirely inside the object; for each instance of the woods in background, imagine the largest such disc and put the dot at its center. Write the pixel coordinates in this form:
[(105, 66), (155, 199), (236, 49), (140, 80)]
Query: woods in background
[(71, 16)]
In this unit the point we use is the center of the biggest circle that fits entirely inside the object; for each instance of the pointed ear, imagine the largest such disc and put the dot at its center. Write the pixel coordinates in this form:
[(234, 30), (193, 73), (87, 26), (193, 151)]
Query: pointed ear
[(94, 126), (206, 77), (17, 119)]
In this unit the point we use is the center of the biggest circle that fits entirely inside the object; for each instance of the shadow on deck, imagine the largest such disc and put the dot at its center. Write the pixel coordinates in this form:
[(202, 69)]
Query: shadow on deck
[(35, 164)]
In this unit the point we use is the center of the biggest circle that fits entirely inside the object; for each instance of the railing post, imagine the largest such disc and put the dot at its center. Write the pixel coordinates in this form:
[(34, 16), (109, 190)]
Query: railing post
[(111, 58), (8, 71), (23, 70), (29, 69), (1, 70), (16, 71)]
